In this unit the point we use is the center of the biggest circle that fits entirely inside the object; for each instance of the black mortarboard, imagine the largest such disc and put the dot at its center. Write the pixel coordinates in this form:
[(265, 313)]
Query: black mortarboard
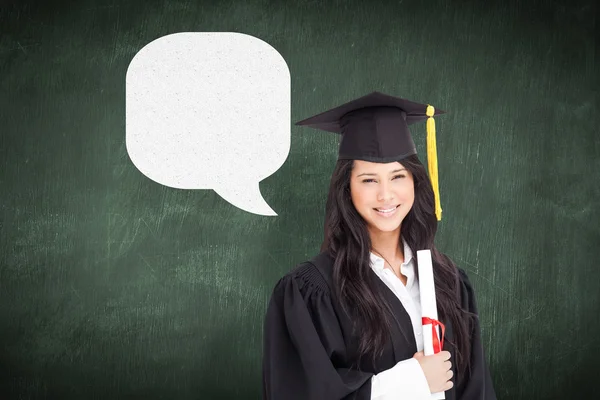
[(375, 128)]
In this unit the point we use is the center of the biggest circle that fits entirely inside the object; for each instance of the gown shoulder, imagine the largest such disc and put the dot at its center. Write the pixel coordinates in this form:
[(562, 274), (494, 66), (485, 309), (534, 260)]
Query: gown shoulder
[(314, 274), (467, 295), (303, 345)]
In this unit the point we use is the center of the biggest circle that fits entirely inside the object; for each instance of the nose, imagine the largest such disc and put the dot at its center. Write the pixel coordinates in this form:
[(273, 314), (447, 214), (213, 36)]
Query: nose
[(384, 192)]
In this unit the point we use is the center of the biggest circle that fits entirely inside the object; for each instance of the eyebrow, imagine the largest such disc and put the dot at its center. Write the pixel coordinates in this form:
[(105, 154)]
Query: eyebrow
[(372, 174)]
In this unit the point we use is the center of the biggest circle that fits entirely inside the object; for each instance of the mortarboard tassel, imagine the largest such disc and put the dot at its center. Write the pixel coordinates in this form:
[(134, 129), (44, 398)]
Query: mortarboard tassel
[(432, 161)]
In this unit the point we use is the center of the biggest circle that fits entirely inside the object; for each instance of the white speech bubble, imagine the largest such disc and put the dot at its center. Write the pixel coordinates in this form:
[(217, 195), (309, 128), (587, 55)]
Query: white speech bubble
[(209, 110)]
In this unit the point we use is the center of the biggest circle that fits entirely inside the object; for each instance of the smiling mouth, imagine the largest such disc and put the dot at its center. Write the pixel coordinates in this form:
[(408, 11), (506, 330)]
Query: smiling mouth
[(386, 210)]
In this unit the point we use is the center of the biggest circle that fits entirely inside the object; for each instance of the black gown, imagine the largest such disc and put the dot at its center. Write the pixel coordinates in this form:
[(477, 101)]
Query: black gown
[(310, 354)]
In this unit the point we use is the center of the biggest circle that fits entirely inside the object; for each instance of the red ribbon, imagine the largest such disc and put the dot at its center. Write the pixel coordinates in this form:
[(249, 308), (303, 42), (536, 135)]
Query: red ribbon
[(437, 345)]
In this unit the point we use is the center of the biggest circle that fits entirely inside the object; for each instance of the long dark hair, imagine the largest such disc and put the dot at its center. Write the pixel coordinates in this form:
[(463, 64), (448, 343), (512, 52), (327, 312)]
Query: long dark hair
[(348, 241)]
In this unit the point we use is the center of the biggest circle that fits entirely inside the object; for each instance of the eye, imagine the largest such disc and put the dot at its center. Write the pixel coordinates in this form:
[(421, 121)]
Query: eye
[(368, 180), (400, 176)]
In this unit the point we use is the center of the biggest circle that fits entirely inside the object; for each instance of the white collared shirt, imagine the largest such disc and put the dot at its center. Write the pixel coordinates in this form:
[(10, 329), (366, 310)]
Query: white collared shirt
[(406, 379)]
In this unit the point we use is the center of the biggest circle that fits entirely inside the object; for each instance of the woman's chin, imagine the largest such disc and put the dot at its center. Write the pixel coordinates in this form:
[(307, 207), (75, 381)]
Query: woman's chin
[(385, 226)]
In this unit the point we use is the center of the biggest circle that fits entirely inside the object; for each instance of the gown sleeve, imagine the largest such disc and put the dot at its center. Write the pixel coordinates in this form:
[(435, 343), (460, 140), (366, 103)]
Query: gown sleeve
[(478, 385), (301, 339)]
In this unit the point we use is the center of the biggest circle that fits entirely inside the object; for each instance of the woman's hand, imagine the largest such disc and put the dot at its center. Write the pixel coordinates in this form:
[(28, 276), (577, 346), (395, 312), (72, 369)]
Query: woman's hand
[(437, 369)]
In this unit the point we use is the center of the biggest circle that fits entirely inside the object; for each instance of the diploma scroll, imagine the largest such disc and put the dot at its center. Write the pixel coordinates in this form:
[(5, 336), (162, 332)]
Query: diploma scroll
[(432, 341)]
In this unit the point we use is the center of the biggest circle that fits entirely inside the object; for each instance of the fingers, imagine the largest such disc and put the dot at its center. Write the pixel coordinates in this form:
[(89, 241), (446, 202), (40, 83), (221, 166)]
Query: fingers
[(449, 374), (448, 365), (445, 356)]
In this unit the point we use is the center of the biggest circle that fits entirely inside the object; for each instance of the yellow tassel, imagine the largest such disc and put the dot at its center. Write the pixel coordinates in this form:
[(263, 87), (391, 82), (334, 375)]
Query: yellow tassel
[(432, 161)]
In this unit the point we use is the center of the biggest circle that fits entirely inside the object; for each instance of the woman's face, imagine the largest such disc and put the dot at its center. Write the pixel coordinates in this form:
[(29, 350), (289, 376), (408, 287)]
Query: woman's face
[(382, 194)]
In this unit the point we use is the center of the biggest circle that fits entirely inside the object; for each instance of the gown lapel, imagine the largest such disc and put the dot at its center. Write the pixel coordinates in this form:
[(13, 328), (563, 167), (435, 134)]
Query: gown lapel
[(402, 336)]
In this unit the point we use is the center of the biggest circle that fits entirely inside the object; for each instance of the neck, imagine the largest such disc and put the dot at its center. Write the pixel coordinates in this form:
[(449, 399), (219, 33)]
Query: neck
[(387, 244)]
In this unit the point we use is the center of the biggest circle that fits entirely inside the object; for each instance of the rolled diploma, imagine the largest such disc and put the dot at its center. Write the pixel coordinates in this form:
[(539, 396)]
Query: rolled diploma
[(428, 304)]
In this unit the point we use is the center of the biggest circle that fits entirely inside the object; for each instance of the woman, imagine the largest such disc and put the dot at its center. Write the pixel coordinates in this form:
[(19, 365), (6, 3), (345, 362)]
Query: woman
[(347, 324)]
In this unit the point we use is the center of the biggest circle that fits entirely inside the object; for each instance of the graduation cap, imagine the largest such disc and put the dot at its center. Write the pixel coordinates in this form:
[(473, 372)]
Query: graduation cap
[(375, 128)]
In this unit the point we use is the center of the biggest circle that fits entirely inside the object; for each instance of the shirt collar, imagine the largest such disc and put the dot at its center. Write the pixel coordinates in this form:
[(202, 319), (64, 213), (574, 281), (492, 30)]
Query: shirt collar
[(407, 268), (379, 263)]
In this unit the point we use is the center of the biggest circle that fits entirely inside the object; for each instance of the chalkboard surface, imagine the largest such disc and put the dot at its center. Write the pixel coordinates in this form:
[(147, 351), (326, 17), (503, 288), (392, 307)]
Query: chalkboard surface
[(115, 287)]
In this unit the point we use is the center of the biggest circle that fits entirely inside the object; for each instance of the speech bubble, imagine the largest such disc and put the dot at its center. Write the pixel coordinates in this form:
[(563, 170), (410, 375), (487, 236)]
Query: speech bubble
[(209, 110)]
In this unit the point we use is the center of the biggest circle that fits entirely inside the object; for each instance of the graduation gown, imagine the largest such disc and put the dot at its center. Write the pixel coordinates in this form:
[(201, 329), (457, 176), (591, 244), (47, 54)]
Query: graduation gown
[(310, 352)]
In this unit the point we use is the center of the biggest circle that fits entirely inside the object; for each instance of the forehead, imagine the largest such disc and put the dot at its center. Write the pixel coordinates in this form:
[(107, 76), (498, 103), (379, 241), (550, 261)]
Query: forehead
[(361, 167)]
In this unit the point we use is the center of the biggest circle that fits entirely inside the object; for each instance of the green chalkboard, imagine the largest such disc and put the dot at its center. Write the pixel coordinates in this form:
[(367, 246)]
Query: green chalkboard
[(113, 286)]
